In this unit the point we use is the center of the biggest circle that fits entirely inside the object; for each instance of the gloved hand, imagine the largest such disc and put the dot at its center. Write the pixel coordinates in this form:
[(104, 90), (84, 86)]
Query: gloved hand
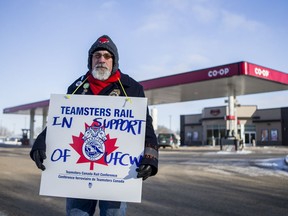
[(144, 171), (39, 156)]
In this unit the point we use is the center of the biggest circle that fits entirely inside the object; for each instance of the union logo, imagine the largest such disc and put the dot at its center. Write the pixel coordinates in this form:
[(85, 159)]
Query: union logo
[(94, 145)]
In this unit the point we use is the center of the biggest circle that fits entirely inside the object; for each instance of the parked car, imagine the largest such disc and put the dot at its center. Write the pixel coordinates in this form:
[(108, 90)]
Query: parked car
[(167, 140), (12, 141)]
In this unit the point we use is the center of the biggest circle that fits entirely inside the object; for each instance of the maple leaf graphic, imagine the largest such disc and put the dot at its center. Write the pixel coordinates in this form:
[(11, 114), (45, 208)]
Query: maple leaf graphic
[(78, 142)]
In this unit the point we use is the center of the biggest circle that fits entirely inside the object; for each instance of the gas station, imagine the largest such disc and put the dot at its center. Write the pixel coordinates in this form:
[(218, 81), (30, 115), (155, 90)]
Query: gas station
[(229, 80)]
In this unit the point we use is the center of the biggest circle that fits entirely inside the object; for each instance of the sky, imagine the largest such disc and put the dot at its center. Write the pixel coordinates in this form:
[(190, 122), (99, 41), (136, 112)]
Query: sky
[(44, 45)]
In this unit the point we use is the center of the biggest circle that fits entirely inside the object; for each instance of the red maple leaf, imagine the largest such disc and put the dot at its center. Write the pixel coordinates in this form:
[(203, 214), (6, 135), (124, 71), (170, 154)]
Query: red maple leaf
[(78, 143)]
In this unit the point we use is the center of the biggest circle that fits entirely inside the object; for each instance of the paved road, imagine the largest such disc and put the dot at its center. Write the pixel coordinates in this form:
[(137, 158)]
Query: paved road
[(197, 181)]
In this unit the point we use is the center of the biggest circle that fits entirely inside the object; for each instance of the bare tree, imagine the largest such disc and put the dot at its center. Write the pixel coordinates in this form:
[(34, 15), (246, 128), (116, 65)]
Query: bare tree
[(4, 132), (163, 129)]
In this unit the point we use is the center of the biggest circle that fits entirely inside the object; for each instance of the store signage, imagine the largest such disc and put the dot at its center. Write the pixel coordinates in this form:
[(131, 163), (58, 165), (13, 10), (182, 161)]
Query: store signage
[(261, 72), (217, 73), (215, 112)]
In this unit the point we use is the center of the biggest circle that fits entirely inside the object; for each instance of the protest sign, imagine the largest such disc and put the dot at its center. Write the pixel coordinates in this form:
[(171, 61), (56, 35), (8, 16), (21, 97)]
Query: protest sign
[(94, 145)]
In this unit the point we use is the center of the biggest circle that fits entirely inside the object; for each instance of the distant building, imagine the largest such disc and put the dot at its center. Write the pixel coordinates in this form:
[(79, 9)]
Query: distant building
[(260, 127)]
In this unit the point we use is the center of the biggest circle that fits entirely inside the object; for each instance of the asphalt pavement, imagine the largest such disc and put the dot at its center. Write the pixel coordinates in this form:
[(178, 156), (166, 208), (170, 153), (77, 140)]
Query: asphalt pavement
[(196, 181)]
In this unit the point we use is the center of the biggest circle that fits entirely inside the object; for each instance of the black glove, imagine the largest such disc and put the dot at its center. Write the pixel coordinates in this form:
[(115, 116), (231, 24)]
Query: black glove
[(144, 171), (39, 156)]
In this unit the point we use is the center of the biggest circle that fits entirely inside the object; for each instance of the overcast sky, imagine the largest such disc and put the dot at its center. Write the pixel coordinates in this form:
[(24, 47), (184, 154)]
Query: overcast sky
[(44, 45)]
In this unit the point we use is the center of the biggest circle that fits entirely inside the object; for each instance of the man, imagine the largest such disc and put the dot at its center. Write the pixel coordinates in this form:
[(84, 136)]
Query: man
[(105, 78)]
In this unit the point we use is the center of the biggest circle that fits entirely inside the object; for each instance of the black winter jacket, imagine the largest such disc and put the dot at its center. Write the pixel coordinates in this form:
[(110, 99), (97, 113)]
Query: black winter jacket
[(132, 89)]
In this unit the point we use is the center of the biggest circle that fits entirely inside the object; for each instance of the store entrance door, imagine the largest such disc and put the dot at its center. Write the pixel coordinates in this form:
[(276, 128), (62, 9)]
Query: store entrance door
[(250, 137)]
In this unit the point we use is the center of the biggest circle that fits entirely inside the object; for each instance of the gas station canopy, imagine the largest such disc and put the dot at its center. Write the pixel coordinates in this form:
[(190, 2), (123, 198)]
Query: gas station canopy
[(241, 78), (235, 79), (25, 109), (231, 80)]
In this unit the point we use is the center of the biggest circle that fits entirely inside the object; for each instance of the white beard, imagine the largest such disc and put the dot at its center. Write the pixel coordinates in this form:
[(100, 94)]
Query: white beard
[(101, 73)]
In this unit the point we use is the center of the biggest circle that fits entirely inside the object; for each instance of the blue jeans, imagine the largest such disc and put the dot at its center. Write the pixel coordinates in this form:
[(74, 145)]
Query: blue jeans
[(86, 207)]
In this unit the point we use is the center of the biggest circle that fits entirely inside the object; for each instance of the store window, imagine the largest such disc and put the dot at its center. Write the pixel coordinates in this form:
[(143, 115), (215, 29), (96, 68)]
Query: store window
[(264, 135), (215, 133), (274, 135)]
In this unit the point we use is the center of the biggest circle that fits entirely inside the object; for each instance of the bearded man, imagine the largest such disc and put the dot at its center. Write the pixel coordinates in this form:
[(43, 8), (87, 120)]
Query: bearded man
[(105, 78)]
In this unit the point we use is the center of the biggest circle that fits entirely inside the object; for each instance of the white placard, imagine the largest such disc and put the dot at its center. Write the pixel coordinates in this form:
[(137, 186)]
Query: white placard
[(94, 145)]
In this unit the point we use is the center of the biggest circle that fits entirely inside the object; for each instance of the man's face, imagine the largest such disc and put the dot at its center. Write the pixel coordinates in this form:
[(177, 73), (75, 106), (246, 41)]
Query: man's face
[(102, 65)]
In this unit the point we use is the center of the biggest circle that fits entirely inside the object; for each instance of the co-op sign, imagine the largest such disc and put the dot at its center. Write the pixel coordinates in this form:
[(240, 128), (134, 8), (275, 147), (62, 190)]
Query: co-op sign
[(218, 73), (225, 71), (261, 72)]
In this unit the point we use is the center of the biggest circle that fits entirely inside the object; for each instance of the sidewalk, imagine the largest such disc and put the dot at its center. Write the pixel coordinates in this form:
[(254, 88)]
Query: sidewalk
[(267, 149)]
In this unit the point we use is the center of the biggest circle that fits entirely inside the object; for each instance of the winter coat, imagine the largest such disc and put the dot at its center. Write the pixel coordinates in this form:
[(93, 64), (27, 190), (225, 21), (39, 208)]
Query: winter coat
[(132, 89)]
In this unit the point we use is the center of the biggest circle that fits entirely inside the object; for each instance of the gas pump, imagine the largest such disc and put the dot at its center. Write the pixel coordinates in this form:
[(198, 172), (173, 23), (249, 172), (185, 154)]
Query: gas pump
[(25, 140)]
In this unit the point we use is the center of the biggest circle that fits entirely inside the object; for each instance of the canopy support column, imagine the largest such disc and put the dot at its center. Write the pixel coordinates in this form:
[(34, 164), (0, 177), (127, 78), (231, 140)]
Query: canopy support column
[(231, 118), (32, 120), (44, 117), (154, 115)]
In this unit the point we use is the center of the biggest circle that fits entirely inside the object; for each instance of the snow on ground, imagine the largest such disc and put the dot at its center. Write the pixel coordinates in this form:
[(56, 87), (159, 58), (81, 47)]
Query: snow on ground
[(251, 167)]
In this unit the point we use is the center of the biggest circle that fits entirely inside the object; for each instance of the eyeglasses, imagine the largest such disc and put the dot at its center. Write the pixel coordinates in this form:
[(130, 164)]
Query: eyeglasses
[(105, 55)]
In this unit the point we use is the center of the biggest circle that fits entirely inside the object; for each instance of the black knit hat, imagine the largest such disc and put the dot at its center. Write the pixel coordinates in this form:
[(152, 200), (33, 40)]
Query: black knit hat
[(104, 43)]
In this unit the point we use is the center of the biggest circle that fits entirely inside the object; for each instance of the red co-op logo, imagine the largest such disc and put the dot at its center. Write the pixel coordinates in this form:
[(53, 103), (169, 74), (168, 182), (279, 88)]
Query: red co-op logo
[(260, 72)]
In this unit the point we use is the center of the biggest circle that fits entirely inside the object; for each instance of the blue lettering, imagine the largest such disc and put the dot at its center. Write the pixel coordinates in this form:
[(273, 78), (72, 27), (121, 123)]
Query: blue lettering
[(124, 127), (67, 110), (66, 154), (122, 159), (116, 112), (55, 122), (108, 112), (114, 156), (135, 160), (99, 124), (62, 109), (123, 113), (58, 154), (86, 111), (129, 126), (64, 122), (113, 122)]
